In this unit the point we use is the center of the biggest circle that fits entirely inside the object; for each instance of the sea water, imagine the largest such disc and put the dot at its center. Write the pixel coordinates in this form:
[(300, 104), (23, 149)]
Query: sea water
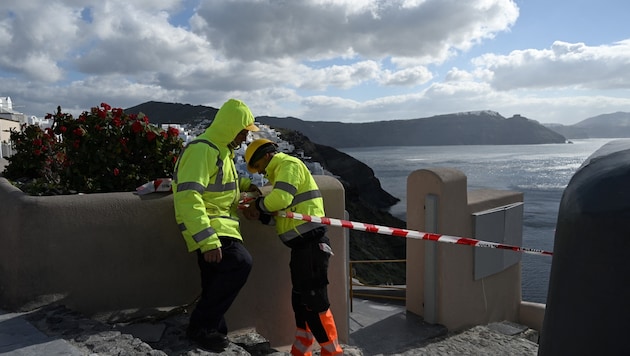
[(540, 172)]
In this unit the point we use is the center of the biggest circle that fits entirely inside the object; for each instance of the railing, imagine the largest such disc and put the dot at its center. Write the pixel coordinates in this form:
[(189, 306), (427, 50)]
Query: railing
[(366, 287)]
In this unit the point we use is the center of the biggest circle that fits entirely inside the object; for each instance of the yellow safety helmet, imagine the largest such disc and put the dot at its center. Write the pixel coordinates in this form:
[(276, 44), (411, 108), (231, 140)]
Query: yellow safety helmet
[(253, 154)]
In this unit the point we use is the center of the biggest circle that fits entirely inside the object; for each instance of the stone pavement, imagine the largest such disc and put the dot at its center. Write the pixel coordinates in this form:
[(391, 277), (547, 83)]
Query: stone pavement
[(376, 328), (19, 337), (385, 328)]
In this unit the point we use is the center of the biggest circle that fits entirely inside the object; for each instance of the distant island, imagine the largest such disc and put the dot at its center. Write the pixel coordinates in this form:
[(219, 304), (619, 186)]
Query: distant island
[(614, 125), (468, 128)]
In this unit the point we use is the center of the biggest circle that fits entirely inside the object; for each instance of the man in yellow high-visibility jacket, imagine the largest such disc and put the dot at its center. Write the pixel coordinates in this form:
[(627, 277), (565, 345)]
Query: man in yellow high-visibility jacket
[(206, 190), (295, 189)]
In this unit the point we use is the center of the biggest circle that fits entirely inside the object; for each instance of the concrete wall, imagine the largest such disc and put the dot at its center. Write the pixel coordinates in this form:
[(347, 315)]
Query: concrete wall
[(5, 126), (440, 283), (120, 251), (532, 315)]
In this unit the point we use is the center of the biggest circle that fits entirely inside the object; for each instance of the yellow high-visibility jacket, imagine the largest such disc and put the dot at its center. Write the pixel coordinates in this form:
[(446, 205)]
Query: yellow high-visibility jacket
[(206, 186), (294, 189)]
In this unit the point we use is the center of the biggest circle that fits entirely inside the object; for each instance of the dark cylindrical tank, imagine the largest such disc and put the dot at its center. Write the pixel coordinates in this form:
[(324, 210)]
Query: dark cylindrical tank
[(588, 303)]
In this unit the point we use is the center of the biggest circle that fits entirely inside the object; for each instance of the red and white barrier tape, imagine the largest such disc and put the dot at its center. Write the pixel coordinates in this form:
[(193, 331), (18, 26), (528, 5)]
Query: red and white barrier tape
[(409, 233)]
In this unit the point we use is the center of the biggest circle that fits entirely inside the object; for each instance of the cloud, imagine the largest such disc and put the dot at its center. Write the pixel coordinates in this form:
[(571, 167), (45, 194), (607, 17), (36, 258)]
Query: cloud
[(36, 37), (130, 40), (319, 30), (341, 60), (407, 77), (242, 45), (563, 65)]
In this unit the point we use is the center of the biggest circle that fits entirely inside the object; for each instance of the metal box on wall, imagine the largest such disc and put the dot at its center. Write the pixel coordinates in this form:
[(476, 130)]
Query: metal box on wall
[(504, 225)]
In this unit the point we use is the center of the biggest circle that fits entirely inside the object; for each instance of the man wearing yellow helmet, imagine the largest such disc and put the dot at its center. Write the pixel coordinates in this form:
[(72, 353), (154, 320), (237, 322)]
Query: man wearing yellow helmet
[(206, 192), (295, 189)]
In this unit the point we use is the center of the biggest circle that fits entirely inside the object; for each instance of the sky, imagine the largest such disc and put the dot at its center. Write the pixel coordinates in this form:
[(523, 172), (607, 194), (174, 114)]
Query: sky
[(558, 61)]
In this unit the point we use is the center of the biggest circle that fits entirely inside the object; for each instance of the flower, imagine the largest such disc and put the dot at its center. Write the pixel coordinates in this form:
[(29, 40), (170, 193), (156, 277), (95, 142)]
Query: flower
[(76, 155), (173, 131), (137, 127), (151, 136)]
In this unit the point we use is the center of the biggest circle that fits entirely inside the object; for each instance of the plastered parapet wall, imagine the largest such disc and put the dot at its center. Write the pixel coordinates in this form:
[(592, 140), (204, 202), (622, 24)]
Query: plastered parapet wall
[(120, 251)]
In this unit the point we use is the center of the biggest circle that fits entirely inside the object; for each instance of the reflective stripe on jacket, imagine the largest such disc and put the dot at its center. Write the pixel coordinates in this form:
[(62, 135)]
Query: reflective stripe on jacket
[(294, 189), (206, 187)]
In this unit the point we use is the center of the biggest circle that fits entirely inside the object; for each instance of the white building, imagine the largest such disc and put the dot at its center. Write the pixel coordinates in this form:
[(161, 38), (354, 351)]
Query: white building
[(185, 134), (43, 123), (9, 119), (8, 113)]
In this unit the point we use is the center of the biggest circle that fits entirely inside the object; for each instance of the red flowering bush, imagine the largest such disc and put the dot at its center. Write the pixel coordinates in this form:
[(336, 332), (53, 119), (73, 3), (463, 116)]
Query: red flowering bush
[(103, 150)]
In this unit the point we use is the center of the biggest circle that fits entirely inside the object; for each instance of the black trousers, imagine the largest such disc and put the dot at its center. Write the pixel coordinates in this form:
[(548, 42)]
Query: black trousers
[(309, 277), (220, 284)]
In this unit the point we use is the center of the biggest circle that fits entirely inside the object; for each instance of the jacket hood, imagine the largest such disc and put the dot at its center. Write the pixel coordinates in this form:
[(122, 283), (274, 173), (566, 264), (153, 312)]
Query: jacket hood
[(231, 118)]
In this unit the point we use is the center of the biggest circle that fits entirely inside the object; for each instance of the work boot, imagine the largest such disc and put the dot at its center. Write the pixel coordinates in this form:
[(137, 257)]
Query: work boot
[(208, 339)]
